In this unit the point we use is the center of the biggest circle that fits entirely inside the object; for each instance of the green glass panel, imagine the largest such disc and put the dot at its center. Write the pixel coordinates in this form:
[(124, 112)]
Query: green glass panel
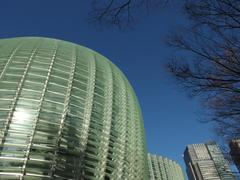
[(66, 112)]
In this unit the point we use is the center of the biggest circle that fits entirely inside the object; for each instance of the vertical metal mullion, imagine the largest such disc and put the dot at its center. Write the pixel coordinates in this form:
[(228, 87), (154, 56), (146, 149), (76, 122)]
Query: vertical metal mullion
[(140, 145), (128, 155), (125, 175), (38, 113), (89, 101), (65, 110), (150, 167), (10, 114), (135, 128), (88, 110), (157, 159), (107, 121), (124, 120), (118, 172), (10, 59)]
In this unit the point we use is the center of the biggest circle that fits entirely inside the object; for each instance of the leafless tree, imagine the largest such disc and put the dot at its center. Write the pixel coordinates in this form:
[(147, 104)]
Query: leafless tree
[(121, 13), (210, 64)]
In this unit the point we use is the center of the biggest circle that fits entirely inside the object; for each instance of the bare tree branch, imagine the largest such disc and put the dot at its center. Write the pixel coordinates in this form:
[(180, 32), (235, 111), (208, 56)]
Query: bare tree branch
[(121, 13), (212, 67)]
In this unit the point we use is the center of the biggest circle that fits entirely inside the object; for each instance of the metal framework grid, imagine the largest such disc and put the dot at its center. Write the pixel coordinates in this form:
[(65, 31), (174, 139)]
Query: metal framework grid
[(66, 112), (161, 168)]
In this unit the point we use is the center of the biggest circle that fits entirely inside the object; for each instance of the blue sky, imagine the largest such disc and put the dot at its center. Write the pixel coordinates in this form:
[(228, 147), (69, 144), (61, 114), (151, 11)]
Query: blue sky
[(170, 117)]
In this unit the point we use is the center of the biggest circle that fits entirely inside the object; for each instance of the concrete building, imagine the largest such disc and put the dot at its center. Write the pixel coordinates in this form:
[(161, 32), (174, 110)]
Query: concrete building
[(66, 112), (162, 168), (205, 162)]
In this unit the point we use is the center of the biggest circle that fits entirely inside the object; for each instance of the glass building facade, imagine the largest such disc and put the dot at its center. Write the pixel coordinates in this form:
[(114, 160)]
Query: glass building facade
[(206, 161), (161, 168), (66, 112)]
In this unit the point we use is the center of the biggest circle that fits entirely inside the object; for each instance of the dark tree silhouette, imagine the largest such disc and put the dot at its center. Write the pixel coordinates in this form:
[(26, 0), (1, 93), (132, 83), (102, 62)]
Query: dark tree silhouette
[(211, 66), (121, 13)]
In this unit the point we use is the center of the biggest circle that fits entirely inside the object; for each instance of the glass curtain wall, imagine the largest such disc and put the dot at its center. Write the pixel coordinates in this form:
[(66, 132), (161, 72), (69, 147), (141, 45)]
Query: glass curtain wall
[(66, 112)]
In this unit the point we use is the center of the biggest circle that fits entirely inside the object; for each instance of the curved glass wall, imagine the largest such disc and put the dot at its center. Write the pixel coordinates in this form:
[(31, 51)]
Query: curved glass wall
[(161, 168), (66, 112)]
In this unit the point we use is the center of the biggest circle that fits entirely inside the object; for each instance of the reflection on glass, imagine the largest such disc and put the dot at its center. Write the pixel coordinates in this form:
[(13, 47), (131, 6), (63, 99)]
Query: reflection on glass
[(21, 115)]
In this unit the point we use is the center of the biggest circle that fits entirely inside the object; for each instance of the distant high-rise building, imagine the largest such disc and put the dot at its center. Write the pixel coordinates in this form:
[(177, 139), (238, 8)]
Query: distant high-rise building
[(206, 161), (235, 152), (161, 168)]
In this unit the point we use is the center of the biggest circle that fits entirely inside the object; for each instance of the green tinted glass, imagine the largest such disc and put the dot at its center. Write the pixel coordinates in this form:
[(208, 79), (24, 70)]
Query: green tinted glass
[(66, 112)]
